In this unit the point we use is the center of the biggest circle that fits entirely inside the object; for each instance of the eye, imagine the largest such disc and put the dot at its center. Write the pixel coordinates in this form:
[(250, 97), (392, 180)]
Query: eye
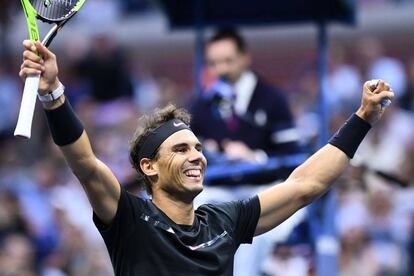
[(180, 149), (211, 63)]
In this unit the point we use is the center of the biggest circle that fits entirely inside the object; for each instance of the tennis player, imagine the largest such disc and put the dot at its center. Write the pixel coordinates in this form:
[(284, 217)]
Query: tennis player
[(166, 235)]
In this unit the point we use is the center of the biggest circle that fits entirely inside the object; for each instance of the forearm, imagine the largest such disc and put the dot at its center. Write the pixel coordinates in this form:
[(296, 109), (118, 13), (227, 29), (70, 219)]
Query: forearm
[(78, 153), (80, 158), (319, 172)]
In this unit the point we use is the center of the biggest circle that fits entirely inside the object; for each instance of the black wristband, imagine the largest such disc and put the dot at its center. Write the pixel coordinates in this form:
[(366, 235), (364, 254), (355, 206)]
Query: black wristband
[(64, 124), (350, 135)]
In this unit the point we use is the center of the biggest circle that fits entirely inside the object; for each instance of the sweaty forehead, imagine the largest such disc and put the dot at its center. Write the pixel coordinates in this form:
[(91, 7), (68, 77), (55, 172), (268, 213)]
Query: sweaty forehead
[(184, 136)]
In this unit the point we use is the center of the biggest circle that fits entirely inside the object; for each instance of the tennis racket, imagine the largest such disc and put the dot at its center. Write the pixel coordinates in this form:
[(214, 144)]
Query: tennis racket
[(56, 12)]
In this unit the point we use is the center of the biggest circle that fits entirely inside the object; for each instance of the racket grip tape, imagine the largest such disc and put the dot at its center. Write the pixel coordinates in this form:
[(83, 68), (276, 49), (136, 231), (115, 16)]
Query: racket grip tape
[(27, 107)]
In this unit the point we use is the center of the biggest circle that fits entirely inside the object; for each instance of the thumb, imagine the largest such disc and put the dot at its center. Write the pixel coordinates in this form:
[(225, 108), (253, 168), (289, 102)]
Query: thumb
[(29, 45), (43, 50), (368, 86)]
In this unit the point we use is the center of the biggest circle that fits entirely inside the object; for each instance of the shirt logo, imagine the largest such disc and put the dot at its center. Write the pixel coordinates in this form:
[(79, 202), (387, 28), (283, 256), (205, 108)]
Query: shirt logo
[(208, 243)]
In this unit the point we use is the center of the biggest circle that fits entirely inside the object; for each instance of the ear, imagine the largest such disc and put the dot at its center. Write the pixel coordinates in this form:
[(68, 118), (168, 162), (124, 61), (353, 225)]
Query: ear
[(148, 167)]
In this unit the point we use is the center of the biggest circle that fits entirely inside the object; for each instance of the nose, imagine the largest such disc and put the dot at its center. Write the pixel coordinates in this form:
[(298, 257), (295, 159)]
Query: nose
[(220, 69), (196, 156)]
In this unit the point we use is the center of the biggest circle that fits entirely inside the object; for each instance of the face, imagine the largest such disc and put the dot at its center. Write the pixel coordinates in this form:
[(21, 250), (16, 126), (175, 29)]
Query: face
[(181, 165), (224, 60)]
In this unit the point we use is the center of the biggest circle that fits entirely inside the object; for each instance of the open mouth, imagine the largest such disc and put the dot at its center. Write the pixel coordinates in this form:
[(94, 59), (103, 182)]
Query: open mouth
[(193, 173)]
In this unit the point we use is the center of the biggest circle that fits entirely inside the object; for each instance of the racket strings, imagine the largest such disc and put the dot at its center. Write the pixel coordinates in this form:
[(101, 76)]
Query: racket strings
[(53, 9)]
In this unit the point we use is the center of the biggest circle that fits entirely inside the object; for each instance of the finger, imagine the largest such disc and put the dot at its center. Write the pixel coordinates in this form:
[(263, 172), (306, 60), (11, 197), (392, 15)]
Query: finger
[(22, 74), (29, 55), (380, 87), (370, 85), (378, 98), (387, 87), (43, 50), (28, 72), (29, 45), (32, 65)]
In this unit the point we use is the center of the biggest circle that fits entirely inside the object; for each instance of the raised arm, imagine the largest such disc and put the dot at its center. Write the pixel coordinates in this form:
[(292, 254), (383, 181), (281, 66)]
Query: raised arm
[(101, 186), (316, 175)]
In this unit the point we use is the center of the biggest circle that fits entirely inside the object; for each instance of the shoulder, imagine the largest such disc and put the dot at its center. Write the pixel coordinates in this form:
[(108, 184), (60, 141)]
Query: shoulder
[(133, 203), (231, 209), (265, 87)]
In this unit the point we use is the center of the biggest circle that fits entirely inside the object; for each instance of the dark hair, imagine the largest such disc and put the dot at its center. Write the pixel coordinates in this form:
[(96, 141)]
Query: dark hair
[(230, 34), (147, 124)]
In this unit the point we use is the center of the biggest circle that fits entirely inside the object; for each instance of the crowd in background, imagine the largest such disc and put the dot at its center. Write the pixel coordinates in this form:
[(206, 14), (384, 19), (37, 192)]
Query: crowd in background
[(45, 219)]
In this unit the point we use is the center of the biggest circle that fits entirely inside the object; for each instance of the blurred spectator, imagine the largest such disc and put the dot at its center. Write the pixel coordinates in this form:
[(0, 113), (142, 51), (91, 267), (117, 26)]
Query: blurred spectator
[(344, 81), (17, 256), (253, 117), (8, 8), (355, 258), (104, 69), (388, 141), (134, 6), (9, 100), (283, 261), (303, 95), (384, 249), (406, 100), (103, 14), (147, 94), (375, 64), (11, 216)]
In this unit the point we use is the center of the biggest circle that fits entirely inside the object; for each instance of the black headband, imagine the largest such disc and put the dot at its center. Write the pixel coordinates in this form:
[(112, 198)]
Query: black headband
[(154, 140)]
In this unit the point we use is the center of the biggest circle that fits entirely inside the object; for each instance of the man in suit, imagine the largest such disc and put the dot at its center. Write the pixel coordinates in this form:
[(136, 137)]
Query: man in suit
[(240, 114)]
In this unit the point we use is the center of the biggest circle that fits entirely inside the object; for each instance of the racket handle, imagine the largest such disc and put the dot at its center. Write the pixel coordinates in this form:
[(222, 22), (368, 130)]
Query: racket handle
[(386, 102), (27, 107)]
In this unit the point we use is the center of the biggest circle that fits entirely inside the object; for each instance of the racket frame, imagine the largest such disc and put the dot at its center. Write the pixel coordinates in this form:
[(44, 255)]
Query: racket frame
[(24, 122)]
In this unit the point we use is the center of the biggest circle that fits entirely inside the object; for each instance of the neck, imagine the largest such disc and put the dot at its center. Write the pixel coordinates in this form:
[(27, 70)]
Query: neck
[(179, 211)]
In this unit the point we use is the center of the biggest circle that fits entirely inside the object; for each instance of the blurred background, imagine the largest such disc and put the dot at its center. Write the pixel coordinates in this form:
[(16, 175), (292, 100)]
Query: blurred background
[(120, 59)]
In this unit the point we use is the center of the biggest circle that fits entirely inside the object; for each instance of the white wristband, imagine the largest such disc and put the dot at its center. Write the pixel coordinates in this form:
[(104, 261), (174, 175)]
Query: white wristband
[(52, 96)]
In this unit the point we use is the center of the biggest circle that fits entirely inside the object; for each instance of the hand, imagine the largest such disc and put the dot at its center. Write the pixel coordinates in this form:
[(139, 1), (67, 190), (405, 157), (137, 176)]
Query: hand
[(45, 65), (237, 150), (371, 109)]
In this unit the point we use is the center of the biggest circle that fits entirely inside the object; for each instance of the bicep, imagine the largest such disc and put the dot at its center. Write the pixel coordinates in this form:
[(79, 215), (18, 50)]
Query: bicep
[(306, 183), (103, 191), (277, 204), (101, 186)]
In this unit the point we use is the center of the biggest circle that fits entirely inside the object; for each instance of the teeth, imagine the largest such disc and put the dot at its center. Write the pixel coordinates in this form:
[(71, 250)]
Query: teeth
[(193, 173)]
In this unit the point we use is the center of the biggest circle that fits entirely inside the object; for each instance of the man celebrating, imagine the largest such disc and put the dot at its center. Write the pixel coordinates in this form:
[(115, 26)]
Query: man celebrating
[(165, 235)]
